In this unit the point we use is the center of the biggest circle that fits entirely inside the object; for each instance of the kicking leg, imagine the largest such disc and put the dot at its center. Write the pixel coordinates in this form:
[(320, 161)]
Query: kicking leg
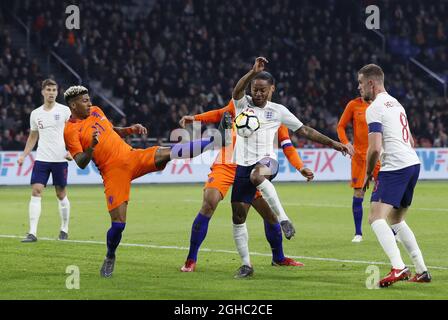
[(199, 228), (118, 218)]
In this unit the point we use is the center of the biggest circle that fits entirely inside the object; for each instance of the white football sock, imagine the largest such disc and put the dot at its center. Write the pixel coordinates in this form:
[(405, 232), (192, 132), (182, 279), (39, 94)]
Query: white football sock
[(34, 210), (407, 237), (269, 194), (387, 240), (241, 237), (64, 212)]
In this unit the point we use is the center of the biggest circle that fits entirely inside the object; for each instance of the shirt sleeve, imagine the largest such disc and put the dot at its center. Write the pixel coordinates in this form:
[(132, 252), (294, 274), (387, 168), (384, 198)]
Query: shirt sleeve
[(33, 124), (290, 120), (346, 118), (374, 118), (72, 142), (214, 116)]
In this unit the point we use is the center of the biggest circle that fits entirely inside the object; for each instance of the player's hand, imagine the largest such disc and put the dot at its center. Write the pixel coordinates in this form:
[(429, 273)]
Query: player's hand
[(138, 129), (307, 173), (260, 64), (369, 177), (342, 148), (95, 139), (350, 148), (185, 120), (68, 156), (20, 160)]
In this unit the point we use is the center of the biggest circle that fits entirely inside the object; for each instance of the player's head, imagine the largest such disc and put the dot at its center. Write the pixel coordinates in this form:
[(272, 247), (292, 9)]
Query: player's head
[(262, 87), (78, 100), (370, 80), (49, 90)]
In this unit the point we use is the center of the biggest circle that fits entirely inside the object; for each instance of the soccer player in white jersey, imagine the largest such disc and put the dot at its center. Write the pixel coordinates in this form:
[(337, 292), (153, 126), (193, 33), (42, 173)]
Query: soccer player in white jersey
[(390, 138), (255, 156), (47, 125)]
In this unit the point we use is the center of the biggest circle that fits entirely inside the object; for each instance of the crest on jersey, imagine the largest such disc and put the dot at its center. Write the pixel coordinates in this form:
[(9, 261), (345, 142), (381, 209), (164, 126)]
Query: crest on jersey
[(57, 117), (268, 115)]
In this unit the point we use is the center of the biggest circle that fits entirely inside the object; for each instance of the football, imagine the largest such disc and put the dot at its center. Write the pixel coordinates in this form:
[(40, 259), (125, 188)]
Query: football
[(246, 124)]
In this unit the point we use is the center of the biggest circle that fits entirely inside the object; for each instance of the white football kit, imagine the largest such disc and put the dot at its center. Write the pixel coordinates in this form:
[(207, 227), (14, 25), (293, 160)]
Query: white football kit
[(50, 124), (260, 144), (385, 114)]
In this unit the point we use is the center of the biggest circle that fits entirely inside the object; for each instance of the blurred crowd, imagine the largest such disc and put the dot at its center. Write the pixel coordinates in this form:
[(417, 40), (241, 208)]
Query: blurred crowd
[(185, 56)]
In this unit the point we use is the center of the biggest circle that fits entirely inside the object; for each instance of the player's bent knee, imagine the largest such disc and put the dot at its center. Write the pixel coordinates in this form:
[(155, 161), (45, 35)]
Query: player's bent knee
[(37, 190), (256, 178), (239, 213)]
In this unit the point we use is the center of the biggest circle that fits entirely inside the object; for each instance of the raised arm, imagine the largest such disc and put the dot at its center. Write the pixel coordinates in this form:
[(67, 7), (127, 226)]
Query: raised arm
[(30, 143), (240, 88)]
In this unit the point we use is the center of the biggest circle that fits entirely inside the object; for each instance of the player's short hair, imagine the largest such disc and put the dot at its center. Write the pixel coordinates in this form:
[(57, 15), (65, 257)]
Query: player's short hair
[(372, 71), (73, 92), (48, 82), (264, 75)]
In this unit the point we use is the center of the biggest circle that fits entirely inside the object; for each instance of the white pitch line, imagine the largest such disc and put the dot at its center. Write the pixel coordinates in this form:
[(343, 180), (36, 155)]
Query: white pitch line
[(215, 251), (323, 205)]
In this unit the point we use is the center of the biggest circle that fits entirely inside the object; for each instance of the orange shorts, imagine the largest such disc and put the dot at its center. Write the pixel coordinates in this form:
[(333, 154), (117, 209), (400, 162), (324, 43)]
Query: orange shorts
[(117, 177), (221, 177), (359, 171)]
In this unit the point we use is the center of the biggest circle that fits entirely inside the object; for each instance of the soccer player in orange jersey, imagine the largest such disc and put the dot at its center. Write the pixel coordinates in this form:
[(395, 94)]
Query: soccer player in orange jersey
[(355, 114), (221, 179), (90, 136)]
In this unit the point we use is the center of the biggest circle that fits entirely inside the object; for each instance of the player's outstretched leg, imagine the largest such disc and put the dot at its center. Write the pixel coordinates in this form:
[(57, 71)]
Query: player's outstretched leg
[(114, 235), (200, 227)]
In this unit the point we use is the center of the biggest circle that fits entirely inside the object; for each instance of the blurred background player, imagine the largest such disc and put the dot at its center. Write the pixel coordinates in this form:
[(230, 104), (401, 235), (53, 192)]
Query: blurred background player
[(255, 156), (47, 125), (390, 137), (90, 136), (355, 115), (221, 178)]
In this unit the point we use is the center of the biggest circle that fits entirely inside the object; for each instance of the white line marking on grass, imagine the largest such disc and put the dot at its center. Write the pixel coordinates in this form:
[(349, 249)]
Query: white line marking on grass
[(323, 205), (212, 250)]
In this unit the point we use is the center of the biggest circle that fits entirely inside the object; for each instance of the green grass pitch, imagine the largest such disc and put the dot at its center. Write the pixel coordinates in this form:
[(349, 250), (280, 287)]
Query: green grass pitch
[(157, 234)]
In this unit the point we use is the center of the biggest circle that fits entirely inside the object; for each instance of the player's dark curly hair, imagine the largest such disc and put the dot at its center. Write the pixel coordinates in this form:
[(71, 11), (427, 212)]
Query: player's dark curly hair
[(73, 92), (264, 75)]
